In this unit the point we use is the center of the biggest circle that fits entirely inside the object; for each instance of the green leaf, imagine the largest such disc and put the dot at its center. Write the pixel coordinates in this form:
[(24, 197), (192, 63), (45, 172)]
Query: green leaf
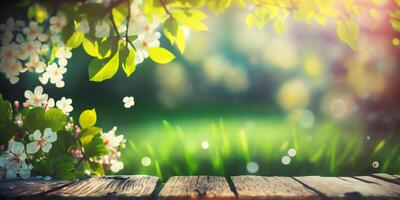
[(65, 141), (120, 13), (67, 32), (100, 70), (347, 31), (87, 134), (87, 118), (35, 119), (64, 167), (190, 18), (218, 6), (160, 55), (55, 119), (129, 66), (180, 40), (95, 148), (75, 40), (395, 24), (5, 110), (170, 29), (279, 25), (7, 131), (91, 47)]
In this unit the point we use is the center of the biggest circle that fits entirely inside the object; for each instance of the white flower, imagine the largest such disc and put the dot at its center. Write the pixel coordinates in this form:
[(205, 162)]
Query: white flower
[(128, 102), (29, 49), (63, 54), (111, 140), (41, 142), (6, 37), (12, 25), (9, 52), (37, 98), (14, 161), (50, 103), (54, 74), (83, 26), (11, 68), (34, 31), (143, 43), (102, 29), (57, 22), (64, 104), (116, 165)]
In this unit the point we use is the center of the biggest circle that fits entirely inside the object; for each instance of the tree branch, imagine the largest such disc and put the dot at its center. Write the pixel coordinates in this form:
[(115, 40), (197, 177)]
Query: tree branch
[(127, 23), (116, 30), (162, 2)]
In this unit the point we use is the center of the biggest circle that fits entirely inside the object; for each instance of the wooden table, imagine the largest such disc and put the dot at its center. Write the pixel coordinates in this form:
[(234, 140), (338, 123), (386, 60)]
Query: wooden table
[(375, 186)]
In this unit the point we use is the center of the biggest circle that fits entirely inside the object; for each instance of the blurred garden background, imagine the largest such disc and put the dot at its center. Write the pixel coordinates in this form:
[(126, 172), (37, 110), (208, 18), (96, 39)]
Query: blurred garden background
[(244, 100)]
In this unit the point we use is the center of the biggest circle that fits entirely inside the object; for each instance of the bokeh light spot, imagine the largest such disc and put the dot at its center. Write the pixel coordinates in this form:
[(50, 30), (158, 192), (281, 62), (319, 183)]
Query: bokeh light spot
[(146, 161), (286, 160), (252, 167), (375, 164), (205, 145), (292, 152)]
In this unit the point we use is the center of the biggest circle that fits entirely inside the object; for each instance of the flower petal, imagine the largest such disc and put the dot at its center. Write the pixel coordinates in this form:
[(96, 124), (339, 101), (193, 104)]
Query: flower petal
[(38, 90), (35, 135), (46, 148), (32, 148), (49, 135), (28, 94), (11, 174), (17, 147)]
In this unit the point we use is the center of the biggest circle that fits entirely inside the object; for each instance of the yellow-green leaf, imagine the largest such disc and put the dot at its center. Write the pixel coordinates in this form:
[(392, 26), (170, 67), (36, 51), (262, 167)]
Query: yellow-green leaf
[(75, 40), (180, 40), (160, 55), (129, 66), (395, 24), (279, 25), (87, 118), (91, 48), (347, 31), (170, 29), (100, 70)]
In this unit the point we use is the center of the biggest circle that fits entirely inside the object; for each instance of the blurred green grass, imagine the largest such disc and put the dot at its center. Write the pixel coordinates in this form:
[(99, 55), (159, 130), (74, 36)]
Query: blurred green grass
[(326, 149)]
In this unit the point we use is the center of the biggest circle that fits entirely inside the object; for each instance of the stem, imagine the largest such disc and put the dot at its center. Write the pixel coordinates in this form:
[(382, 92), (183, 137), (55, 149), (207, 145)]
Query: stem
[(116, 30), (127, 23), (162, 2)]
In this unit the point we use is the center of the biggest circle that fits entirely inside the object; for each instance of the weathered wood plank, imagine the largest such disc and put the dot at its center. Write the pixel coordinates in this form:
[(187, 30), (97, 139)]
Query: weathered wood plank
[(263, 188), (396, 175), (108, 187), (196, 187), (12, 189), (395, 188), (388, 177), (346, 188)]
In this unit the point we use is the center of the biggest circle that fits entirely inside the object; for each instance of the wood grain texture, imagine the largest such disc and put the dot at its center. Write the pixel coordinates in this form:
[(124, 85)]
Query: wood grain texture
[(264, 188), (21, 189), (392, 187), (196, 187), (387, 177), (108, 187), (346, 188)]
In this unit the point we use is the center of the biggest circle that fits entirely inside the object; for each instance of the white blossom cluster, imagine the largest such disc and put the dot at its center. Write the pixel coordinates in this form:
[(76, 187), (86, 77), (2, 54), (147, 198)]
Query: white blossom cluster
[(15, 159), (27, 48), (113, 144), (139, 25), (37, 98)]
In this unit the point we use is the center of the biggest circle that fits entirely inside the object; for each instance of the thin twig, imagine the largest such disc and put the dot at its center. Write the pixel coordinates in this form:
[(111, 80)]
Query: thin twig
[(127, 23), (116, 30), (162, 2)]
